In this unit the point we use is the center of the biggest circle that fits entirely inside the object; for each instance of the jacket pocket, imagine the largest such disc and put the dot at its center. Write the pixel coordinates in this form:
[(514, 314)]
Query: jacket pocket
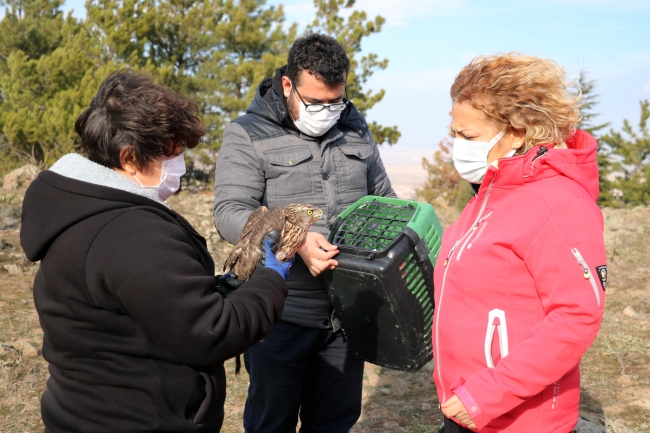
[(587, 273), (354, 161), (203, 394), (289, 172), (496, 324)]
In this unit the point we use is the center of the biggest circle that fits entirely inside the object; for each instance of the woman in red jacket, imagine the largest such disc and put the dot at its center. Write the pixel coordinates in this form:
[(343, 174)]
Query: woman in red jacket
[(520, 279)]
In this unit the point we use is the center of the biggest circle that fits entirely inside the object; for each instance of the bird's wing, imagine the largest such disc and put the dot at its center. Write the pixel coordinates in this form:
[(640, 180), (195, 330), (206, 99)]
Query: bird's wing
[(274, 220), (244, 241), (252, 221), (251, 254)]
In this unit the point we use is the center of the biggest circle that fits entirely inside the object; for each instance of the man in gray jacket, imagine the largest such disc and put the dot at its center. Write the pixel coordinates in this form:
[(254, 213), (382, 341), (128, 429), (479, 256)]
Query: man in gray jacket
[(301, 141)]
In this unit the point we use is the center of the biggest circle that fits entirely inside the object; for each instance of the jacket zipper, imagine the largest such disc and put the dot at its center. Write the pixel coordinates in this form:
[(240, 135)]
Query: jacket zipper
[(447, 265), (474, 229), (478, 235), (588, 275)]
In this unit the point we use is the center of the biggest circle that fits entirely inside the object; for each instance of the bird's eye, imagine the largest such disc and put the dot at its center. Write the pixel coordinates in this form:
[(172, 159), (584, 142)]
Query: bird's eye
[(309, 212)]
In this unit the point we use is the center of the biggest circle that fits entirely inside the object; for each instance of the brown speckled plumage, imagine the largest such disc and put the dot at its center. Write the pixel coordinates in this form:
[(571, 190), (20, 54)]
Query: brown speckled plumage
[(292, 223)]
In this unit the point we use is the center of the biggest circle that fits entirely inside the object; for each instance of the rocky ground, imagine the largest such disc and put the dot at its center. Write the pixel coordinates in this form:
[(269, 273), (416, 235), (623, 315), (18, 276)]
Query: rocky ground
[(616, 372)]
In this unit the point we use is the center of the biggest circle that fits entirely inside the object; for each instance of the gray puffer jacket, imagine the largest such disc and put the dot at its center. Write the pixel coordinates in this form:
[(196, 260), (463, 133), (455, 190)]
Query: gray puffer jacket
[(265, 160)]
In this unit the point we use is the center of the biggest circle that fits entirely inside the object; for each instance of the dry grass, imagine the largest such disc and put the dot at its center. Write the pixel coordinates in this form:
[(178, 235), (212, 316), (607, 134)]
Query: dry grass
[(616, 379)]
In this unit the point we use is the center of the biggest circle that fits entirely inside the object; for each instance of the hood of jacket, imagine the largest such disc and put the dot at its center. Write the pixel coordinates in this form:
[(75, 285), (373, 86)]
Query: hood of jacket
[(73, 190), (270, 103), (577, 162)]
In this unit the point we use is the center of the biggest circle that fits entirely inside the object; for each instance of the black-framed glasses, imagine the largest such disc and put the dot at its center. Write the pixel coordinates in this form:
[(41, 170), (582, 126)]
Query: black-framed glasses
[(315, 108)]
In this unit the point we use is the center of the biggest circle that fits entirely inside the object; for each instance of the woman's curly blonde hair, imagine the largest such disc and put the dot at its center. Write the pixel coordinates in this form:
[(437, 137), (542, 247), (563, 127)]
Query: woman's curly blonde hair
[(522, 92)]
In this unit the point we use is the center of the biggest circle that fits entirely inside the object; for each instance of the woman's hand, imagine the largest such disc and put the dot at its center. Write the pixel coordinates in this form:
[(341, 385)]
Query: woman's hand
[(317, 253), (454, 408)]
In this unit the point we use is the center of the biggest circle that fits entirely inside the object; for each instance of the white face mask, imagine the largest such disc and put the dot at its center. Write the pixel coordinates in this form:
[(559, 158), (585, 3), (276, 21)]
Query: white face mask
[(315, 124), (170, 177), (470, 157)]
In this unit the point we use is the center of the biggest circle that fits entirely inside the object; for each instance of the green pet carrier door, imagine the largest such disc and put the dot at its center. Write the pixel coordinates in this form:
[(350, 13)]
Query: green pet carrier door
[(382, 289)]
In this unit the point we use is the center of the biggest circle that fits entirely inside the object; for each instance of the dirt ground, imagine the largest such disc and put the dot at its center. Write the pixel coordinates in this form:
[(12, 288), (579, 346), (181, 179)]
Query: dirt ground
[(616, 372)]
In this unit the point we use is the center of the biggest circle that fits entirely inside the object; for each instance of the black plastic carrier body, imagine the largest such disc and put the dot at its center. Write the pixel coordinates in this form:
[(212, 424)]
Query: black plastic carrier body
[(382, 289)]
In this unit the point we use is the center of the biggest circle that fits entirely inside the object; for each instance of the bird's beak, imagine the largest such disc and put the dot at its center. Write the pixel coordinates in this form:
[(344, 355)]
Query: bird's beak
[(318, 215)]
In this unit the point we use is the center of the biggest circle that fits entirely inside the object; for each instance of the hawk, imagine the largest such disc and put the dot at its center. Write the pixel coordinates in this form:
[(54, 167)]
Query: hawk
[(292, 223)]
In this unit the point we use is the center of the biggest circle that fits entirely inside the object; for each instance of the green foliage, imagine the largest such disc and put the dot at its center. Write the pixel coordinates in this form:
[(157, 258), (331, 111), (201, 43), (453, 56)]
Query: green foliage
[(586, 88), (45, 87), (252, 44), (216, 51), (443, 183), (350, 33), (31, 26), (464, 195), (631, 165)]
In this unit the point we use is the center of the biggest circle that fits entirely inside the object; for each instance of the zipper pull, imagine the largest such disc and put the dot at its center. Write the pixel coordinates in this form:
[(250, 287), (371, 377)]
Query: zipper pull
[(541, 152), (451, 252), (582, 263), (475, 227)]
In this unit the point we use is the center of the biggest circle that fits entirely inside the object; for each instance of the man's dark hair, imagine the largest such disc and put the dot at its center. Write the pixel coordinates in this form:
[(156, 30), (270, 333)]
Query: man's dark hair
[(321, 56), (131, 110)]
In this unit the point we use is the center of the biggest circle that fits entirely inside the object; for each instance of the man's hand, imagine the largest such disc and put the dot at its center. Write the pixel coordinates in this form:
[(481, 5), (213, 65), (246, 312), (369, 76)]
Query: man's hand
[(455, 409), (317, 253)]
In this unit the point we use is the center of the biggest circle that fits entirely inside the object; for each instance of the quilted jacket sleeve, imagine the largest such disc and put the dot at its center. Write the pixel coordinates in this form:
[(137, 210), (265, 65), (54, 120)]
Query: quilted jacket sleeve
[(378, 181), (239, 183)]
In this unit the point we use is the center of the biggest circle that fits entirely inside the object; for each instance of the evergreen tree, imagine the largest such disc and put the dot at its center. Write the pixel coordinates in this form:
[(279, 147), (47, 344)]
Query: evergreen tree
[(442, 178), (585, 88), (167, 39), (216, 51), (31, 26), (350, 33), (250, 44), (632, 170), (46, 63)]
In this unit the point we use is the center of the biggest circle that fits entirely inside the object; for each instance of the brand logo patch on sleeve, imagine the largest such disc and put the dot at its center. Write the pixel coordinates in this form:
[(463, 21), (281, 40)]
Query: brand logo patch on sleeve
[(601, 271)]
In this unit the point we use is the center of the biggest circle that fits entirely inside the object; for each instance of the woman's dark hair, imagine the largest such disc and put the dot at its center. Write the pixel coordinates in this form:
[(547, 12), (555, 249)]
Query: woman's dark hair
[(131, 110), (320, 55)]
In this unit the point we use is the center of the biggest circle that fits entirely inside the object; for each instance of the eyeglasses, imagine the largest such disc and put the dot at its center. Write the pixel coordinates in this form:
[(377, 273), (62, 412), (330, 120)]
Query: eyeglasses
[(315, 108)]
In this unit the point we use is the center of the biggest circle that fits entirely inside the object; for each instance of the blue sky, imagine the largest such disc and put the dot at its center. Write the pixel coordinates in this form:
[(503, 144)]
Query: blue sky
[(428, 42)]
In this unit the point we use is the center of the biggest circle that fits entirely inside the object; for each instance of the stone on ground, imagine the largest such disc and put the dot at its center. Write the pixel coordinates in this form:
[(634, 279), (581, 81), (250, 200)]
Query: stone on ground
[(19, 177)]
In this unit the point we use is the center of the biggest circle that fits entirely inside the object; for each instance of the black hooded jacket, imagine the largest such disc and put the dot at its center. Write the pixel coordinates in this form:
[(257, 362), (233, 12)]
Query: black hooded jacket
[(135, 333)]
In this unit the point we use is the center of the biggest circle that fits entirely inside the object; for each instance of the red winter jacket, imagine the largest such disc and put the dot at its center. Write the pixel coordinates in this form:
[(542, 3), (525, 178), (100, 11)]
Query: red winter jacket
[(520, 288)]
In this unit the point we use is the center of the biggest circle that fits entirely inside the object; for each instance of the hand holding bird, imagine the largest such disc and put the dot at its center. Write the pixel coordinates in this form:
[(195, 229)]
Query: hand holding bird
[(292, 223)]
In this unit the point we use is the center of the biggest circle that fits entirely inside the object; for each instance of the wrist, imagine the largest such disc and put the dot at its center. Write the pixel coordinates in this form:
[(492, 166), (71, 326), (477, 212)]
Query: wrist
[(273, 275), (471, 406)]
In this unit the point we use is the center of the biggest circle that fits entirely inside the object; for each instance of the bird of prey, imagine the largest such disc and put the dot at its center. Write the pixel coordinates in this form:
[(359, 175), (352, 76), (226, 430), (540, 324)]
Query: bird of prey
[(292, 223)]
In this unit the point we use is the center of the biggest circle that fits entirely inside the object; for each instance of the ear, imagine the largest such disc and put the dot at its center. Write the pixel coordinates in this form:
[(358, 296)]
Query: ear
[(128, 163), (286, 86), (516, 137)]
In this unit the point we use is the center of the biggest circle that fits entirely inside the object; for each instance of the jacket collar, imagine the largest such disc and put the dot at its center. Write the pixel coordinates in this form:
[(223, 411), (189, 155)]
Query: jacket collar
[(577, 162)]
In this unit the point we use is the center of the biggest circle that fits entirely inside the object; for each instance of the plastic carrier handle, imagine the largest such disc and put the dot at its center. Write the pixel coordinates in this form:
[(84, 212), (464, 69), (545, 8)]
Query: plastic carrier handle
[(369, 227)]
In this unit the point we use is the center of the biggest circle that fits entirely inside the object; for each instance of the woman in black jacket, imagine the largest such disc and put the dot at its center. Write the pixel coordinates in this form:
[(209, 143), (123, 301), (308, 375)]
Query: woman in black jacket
[(136, 331)]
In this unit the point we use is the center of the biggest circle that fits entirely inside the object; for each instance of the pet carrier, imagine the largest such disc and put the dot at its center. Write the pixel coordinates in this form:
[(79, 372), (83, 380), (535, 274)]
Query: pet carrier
[(382, 289)]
